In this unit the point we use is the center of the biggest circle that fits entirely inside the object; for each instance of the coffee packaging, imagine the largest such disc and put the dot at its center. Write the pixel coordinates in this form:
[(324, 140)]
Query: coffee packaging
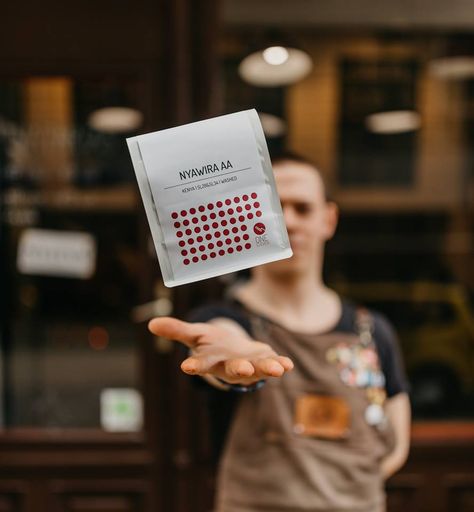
[(210, 197)]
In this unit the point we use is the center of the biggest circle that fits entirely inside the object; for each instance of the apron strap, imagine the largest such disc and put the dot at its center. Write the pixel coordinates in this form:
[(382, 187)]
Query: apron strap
[(364, 326)]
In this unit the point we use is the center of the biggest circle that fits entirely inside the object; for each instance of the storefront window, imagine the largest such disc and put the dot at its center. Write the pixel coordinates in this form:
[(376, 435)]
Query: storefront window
[(388, 119), (69, 258)]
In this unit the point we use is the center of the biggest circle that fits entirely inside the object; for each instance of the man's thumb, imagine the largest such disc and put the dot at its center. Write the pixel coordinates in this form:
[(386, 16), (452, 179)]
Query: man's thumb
[(175, 329)]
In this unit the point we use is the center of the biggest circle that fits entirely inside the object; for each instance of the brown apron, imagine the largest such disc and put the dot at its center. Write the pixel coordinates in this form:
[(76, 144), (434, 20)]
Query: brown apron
[(269, 465)]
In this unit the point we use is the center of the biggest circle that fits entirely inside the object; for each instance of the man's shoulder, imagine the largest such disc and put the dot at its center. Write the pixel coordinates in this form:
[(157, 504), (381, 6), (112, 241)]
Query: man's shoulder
[(388, 349), (382, 327)]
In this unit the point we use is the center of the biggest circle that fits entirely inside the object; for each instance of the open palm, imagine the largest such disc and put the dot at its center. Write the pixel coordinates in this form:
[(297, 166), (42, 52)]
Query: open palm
[(217, 351)]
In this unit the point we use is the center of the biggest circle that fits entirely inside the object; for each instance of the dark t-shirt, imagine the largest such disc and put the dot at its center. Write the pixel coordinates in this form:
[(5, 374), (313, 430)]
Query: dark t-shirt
[(222, 404)]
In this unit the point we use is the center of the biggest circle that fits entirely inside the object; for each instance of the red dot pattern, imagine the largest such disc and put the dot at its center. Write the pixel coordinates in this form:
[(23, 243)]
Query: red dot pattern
[(234, 210)]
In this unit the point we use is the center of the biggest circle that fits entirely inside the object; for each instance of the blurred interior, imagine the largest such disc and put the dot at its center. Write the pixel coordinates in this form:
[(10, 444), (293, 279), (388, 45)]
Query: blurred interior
[(386, 109)]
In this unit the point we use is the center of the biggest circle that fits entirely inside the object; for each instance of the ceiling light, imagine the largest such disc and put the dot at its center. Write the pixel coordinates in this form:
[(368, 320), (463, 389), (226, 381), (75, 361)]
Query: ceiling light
[(275, 66), (275, 55), (395, 121), (115, 120), (273, 126), (452, 68)]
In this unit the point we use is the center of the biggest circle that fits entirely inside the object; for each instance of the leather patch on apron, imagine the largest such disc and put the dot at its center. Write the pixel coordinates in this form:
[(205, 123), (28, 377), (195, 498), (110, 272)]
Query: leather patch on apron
[(326, 417)]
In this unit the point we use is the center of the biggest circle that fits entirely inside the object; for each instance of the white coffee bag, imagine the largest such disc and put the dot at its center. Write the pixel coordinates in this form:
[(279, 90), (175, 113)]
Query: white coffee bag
[(210, 197)]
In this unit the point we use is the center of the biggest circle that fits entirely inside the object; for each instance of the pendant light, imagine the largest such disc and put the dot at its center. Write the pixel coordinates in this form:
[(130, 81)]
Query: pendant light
[(394, 121), (455, 59), (115, 114), (276, 62), (114, 120)]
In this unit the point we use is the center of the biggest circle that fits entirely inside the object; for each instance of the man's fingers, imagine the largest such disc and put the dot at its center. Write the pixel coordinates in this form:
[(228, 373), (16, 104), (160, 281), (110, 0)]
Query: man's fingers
[(175, 329), (286, 362), (269, 367), (239, 368), (195, 365)]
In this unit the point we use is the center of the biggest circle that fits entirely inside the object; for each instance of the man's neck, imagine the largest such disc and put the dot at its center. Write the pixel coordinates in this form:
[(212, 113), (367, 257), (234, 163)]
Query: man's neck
[(300, 302)]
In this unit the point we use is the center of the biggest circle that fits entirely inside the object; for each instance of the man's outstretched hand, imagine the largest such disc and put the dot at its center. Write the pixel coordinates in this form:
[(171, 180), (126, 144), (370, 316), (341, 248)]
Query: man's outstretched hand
[(216, 351)]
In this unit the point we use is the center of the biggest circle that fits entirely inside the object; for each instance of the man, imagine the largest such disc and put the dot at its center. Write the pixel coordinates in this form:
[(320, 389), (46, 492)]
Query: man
[(331, 421)]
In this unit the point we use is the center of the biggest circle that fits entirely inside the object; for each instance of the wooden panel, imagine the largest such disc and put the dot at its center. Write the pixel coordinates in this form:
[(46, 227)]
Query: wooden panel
[(10, 503), (12, 496), (443, 433), (101, 504), (100, 496), (81, 30), (403, 492), (460, 492)]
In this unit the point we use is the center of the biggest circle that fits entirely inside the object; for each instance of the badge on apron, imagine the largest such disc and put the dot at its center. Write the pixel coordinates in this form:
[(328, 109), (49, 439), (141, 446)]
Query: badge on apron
[(374, 415), (322, 416), (358, 366)]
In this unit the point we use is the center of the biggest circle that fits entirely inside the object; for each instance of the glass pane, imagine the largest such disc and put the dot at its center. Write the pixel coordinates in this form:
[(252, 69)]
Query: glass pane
[(69, 263), (388, 119)]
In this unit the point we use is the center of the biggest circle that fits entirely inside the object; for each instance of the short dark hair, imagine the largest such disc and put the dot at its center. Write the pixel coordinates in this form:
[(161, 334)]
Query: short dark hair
[(291, 156)]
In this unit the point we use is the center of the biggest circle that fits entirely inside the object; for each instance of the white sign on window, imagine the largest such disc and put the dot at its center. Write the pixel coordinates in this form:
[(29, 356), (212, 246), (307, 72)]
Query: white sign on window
[(121, 410), (56, 253)]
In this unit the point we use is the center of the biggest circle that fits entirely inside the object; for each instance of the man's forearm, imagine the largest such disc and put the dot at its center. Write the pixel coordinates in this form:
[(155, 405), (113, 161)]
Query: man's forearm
[(399, 415), (392, 463)]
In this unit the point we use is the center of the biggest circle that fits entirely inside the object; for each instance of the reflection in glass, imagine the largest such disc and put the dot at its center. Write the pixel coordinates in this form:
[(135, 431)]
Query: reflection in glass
[(70, 250)]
